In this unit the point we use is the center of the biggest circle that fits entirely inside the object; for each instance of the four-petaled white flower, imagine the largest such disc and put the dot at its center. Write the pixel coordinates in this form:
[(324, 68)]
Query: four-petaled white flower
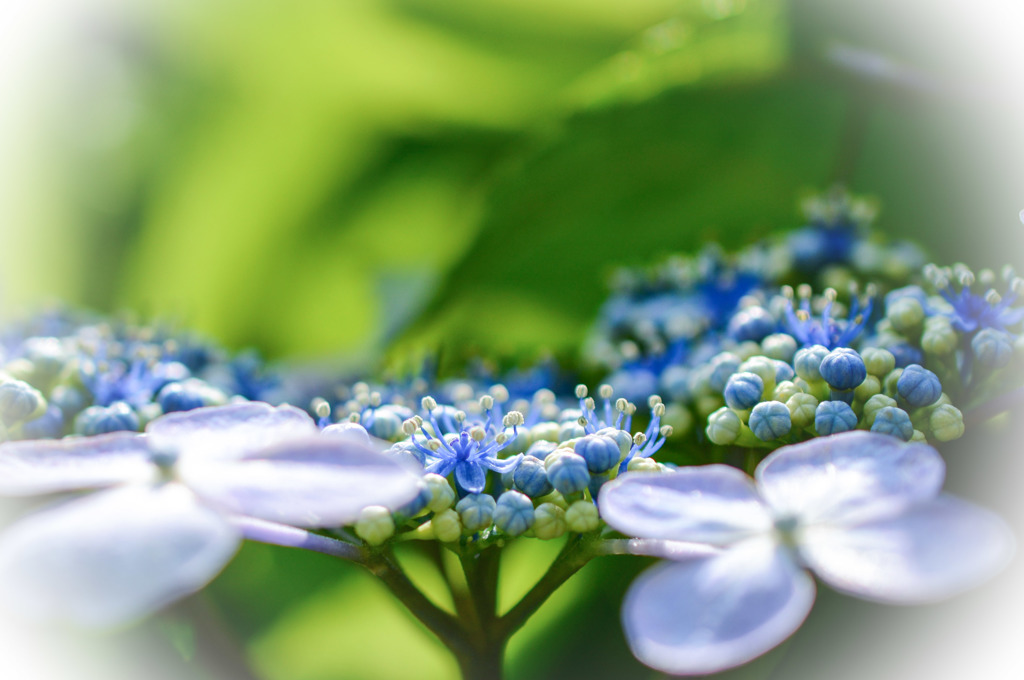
[(165, 529), (862, 511)]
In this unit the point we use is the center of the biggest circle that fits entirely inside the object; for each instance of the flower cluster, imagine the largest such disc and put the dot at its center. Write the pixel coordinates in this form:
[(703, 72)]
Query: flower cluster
[(837, 397), (70, 374)]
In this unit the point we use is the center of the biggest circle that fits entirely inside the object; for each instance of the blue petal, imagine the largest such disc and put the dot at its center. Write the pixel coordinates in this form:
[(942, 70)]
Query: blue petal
[(707, 615), (930, 552), (113, 557), (48, 466), (228, 431), (501, 465), (713, 504), (470, 476), (849, 477), (311, 482)]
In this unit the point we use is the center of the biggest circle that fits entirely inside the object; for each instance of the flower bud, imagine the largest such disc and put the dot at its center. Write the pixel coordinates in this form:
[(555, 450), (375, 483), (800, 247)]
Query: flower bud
[(476, 511), (784, 390), (904, 313), (442, 495), (878, 361), (375, 524), (893, 421), (567, 472), (781, 346), (545, 431), (723, 426), (549, 521), (447, 526), (833, 417), (646, 465), (751, 323), (802, 408), (117, 417), (807, 362), (581, 517), (513, 513), (601, 453), (19, 402), (946, 423), (770, 420), (992, 348), (939, 338), (873, 405), (867, 389), (743, 391), (843, 369), (531, 478), (918, 386)]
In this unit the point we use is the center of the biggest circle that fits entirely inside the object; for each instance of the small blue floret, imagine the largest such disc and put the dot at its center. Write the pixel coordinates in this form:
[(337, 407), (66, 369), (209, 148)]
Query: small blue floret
[(843, 369), (918, 386), (833, 417), (601, 453), (770, 420), (743, 390)]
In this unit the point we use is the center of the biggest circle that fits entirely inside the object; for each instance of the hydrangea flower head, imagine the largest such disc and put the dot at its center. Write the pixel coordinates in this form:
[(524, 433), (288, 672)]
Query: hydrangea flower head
[(862, 511), (165, 527)]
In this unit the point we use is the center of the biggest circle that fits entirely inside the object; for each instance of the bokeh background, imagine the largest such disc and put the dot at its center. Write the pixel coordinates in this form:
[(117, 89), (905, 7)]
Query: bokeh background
[(360, 183)]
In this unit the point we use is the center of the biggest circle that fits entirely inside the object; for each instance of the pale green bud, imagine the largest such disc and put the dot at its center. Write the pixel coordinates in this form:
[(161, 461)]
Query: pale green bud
[(746, 349), (639, 464), (918, 437), (889, 384), (946, 422), (375, 524), (442, 495), (723, 427), (548, 521), (763, 368), (447, 526), (708, 405), (802, 407), (867, 389), (939, 339), (905, 314), (786, 389), (779, 346), (547, 431), (873, 405), (878, 361), (582, 517)]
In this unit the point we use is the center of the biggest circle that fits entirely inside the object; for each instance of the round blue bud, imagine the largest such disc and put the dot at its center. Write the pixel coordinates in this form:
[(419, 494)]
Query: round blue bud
[(751, 323), (783, 371), (476, 511), (770, 420), (50, 425), (833, 417), (601, 453), (893, 421), (541, 448), (905, 354), (807, 362), (117, 417), (843, 369), (385, 424), (743, 390), (513, 513), (182, 396), (722, 366), (70, 400), (992, 348), (568, 473), (531, 478), (918, 386), (18, 401)]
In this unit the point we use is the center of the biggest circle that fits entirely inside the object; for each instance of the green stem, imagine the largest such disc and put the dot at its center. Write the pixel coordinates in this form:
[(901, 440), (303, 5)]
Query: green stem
[(577, 552)]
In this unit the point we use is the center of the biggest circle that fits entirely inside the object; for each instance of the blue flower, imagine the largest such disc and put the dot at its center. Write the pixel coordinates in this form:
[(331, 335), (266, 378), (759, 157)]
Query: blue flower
[(735, 584), (826, 331), (970, 311), (167, 526), (470, 450)]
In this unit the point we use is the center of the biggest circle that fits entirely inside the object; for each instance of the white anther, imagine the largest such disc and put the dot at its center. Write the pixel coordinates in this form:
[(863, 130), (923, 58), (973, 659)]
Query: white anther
[(581, 391), (659, 410), (478, 433), (639, 438), (666, 431), (605, 391), (375, 399), (653, 400), (500, 393), (428, 403), (487, 402)]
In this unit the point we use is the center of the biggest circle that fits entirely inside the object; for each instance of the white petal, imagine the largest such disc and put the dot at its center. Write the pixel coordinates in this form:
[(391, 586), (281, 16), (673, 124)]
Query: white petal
[(114, 556), (849, 477), (311, 482), (710, 614), (47, 466), (713, 504), (930, 552), (228, 431)]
